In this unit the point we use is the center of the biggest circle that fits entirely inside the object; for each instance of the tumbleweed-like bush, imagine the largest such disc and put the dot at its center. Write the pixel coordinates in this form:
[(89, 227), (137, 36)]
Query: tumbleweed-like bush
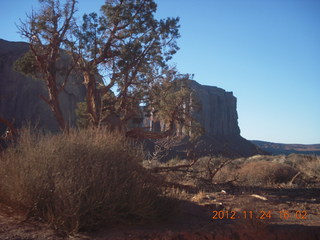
[(79, 181), (265, 173)]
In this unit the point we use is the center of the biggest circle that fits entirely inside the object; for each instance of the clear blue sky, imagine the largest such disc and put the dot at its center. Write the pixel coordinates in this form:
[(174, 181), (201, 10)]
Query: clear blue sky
[(266, 52)]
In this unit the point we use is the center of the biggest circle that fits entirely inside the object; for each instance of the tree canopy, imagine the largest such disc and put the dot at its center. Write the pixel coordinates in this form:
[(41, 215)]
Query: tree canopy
[(123, 53), (48, 31)]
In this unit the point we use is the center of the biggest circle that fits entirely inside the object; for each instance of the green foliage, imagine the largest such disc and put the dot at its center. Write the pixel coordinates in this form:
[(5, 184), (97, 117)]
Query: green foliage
[(173, 100), (83, 118), (126, 43), (132, 48), (27, 65), (47, 31)]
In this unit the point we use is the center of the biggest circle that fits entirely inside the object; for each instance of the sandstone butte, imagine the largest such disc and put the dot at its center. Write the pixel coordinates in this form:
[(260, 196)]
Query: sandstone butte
[(20, 100)]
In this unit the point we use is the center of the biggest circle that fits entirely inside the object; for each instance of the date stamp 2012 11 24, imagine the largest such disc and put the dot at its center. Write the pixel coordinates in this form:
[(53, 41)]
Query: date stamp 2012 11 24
[(262, 215)]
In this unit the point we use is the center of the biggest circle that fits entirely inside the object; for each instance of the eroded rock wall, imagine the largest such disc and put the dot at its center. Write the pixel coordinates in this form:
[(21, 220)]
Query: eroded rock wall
[(20, 95), (219, 119), (20, 101), (218, 112)]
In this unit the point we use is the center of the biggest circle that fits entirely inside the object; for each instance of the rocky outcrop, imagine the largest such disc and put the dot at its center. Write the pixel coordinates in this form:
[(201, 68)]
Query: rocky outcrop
[(218, 112), (217, 115), (219, 118), (20, 101), (20, 95), (281, 148)]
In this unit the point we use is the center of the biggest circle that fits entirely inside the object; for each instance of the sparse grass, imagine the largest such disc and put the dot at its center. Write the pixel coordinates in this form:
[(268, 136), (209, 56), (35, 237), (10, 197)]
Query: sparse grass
[(79, 181), (198, 175), (177, 193), (91, 178), (199, 196), (271, 171)]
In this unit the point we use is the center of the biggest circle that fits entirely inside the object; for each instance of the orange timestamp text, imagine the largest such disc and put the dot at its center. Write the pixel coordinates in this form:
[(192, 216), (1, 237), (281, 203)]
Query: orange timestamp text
[(262, 215)]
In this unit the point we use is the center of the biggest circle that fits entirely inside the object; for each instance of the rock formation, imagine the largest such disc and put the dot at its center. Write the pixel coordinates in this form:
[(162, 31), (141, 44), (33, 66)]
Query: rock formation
[(20, 101), (219, 118), (218, 113), (20, 95)]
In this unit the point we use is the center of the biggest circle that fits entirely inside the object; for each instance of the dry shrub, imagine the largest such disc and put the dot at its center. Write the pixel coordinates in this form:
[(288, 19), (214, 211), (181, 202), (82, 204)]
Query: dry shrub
[(199, 174), (181, 176), (80, 180), (177, 193), (199, 196), (215, 170), (264, 173), (307, 164)]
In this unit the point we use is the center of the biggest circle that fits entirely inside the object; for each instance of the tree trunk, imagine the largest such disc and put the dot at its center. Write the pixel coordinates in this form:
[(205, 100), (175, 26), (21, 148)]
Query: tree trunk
[(93, 98), (55, 105)]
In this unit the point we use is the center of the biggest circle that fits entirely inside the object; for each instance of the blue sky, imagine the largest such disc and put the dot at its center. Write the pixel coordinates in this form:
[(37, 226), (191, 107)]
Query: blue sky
[(266, 52)]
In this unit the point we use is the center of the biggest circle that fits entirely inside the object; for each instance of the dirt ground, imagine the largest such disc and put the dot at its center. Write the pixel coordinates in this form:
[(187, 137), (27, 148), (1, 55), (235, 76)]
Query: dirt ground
[(227, 213)]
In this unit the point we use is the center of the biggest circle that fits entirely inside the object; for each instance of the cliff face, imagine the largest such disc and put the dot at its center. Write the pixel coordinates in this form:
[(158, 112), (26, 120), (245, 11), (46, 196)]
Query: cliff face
[(219, 119), (20, 95), (20, 101), (218, 114)]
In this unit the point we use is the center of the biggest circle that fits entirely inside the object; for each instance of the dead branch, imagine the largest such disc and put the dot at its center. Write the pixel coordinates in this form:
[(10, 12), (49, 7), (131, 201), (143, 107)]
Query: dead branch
[(294, 178), (212, 173), (9, 136), (139, 133), (174, 168), (162, 148), (9, 125)]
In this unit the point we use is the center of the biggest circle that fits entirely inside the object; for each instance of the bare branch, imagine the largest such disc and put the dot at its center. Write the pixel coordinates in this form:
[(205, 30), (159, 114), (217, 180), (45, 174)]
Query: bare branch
[(212, 173), (174, 168)]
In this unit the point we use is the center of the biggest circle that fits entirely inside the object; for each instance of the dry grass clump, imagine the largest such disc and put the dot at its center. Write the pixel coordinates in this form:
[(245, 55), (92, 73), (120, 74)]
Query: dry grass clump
[(80, 180), (307, 164), (265, 173)]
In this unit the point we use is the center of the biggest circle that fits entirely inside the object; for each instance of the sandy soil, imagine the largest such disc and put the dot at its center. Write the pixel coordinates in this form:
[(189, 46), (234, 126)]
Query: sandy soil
[(245, 213)]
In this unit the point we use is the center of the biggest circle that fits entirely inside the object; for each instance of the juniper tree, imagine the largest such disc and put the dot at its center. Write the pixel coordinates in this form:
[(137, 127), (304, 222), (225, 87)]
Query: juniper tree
[(125, 44), (47, 31), (173, 103), (131, 48)]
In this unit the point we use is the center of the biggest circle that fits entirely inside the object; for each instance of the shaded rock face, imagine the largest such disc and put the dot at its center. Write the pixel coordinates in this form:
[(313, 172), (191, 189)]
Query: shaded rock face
[(20, 101), (218, 113), (219, 118), (20, 95)]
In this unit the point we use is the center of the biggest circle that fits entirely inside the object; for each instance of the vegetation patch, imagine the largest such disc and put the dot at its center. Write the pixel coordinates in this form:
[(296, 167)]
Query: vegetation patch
[(80, 180), (265, 173)]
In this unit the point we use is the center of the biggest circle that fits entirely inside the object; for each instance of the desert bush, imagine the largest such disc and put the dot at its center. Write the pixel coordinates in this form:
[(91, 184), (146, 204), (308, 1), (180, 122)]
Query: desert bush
[(80, 180), (307, 164), (202, 173), (215, 170), (265, 173)]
